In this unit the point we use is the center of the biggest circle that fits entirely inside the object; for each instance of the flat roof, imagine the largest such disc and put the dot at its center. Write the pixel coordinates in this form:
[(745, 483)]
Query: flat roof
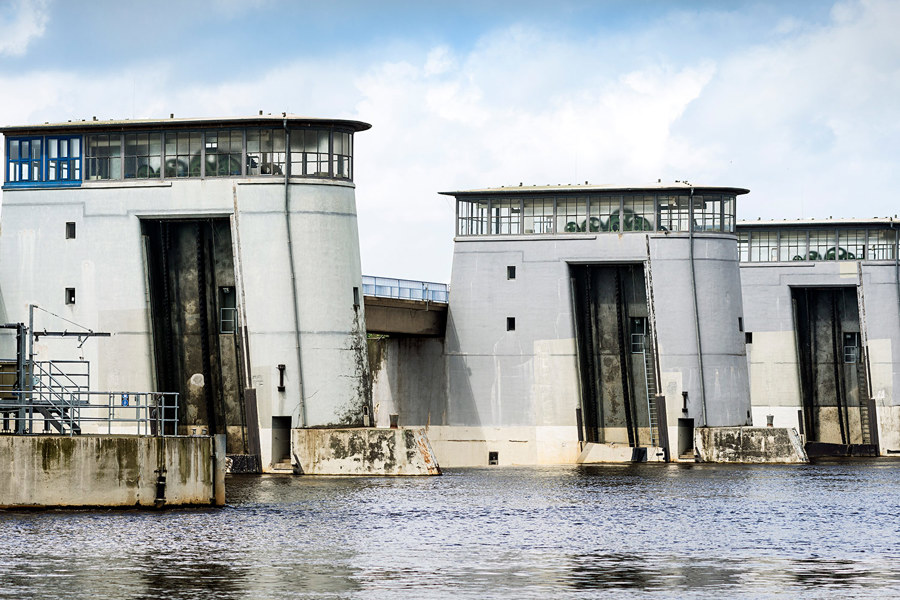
[(181, 123), (677, 186), (829, 222)]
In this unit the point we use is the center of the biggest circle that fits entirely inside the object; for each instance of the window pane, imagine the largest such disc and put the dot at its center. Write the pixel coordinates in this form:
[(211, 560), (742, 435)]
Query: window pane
[(851, 244), (638, 214), (571, 215), (473, 217), (707, 213), (882, 244), (743, 250), (605, 213), (155, 144), (673, 212), (820, 243), (538, 215), (505, 217), (763, 246), (793, 246)]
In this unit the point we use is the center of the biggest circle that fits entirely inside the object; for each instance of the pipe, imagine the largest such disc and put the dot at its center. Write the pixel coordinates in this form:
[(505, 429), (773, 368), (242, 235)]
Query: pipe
[(290, 250), (896, 263), (696, 310)]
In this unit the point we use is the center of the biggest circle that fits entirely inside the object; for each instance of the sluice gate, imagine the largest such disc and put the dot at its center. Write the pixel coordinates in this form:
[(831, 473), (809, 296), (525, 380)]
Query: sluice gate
[(616, 355), (198, 349), (837, 408)]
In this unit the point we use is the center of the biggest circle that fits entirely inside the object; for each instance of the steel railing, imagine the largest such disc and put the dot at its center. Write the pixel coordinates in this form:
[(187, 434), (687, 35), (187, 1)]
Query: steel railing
[(405, 289), (70, 413)]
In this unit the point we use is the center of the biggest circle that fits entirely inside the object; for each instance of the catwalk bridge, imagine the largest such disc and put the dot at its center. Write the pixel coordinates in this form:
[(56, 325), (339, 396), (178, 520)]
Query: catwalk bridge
[(405, 307)]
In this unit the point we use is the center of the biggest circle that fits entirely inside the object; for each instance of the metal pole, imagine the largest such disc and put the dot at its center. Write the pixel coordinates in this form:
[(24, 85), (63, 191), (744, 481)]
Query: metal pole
[(696, 309), (290, 249)]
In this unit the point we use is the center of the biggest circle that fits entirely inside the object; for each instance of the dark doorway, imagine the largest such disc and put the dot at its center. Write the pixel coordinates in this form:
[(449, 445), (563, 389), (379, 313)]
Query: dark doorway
[(686, 439)]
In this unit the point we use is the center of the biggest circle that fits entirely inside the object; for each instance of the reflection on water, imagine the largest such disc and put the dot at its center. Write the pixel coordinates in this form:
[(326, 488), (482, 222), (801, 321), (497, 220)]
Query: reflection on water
[(828, 530)]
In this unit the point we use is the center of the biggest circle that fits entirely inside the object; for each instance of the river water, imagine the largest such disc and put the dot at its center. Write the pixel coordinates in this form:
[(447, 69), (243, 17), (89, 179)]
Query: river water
[(669, 531)]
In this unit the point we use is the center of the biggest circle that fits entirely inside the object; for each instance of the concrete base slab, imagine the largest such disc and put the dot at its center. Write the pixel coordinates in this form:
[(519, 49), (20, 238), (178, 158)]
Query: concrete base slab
[(619, 453), (362, 451), (749, 445), (111, 470)]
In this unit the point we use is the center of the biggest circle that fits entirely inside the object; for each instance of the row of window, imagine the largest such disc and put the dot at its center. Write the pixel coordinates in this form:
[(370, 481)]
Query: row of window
[(817, 244), (51, 158), (57, 160), (594, 213)]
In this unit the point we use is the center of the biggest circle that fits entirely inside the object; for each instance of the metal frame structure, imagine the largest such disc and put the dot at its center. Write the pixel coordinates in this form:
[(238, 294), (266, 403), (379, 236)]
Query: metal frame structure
[(58, 395)]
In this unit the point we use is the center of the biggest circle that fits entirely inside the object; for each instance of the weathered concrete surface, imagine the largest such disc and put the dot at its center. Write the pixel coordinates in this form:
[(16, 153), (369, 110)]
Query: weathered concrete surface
[(619, 453), (406, 317), (362, 451), (749, 445), (88, 470)]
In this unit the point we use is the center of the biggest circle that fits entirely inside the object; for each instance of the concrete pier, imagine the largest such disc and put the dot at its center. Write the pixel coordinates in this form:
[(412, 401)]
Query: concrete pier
[(109, 471), (362, 451), (749, 445)]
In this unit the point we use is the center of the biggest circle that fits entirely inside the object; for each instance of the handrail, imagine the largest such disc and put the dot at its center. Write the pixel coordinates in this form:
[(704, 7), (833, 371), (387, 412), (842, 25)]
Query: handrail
[(149, 413), (405, 289)]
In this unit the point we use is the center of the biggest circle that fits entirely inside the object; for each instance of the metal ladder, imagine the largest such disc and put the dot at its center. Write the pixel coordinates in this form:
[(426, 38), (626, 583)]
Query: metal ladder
[(650, 387), (865, 423)]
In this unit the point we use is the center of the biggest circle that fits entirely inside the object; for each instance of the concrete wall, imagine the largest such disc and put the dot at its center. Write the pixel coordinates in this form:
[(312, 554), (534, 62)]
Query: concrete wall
[(717, 276), (409, 380), (59, 471), (362, 451), (772, 356), (104, 264)]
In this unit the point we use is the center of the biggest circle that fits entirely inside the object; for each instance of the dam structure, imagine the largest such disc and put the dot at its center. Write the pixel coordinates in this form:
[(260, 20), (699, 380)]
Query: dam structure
[(822, 302), (222, 257), (585, 324)]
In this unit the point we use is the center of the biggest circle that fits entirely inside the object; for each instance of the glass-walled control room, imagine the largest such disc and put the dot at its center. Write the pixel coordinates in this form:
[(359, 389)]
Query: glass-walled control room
[(859, 241), (506, 214), (68, 160)]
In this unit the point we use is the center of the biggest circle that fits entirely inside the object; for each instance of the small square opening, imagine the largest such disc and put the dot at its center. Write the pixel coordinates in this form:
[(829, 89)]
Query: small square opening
[(748, 337), (493, 458), (511, 272), (510, 323), (70, 295), (70, 230)]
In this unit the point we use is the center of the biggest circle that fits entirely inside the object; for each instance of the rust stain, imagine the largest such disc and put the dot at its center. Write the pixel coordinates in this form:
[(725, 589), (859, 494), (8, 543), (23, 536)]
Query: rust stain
[(430, 463)]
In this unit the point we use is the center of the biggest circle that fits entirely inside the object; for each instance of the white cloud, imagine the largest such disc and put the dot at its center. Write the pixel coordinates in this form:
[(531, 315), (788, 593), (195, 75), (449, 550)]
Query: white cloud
[(811, 123), (20, 22), (807, 119)]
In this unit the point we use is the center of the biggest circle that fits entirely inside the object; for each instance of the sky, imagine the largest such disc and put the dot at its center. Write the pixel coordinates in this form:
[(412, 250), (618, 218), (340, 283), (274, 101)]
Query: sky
[(797, 101)]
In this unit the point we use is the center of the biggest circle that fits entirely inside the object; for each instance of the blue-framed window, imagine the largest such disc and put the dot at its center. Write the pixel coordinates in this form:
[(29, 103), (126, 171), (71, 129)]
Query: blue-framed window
[(23, 160), (63, 158), (43, 160)]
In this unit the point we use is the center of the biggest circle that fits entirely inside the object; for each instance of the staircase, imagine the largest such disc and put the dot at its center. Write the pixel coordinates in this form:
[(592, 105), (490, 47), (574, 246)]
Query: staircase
[(55, 396), (59, 417)]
